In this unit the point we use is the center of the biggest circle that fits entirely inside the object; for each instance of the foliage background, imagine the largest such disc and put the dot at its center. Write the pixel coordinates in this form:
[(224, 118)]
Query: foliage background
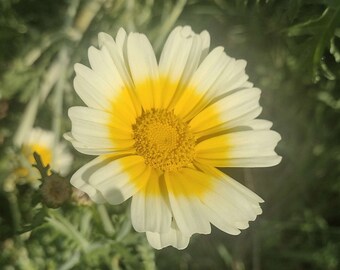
[(292, 49)]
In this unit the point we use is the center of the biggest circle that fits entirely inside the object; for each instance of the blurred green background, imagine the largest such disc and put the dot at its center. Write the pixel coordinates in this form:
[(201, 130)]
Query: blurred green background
[(293, 52)]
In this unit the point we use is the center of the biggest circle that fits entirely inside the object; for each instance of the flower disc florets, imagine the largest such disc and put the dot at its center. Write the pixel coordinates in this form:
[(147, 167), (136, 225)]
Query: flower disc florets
[(164, 140)]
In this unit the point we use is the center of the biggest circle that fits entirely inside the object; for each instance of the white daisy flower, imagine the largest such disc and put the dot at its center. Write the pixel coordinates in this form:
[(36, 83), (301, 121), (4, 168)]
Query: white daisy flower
[(41, 141), (160, 129)]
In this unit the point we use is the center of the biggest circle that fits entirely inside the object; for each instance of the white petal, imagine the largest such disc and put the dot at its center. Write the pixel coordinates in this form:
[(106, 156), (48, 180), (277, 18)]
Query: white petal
[(186, 208), (216, 76), (80, 179), (179, 59), (119, 45), (233, 77), (92, 89), (86, 149), (252, 143), (143, 67), (121, 178), (175, 54), (102, 63), (210, 70), (229, 205), (201, 89), (205, 37), (96, 128), (254, 148), (194, 58), (173, 238), (228, 202), (181, 54), (116, 76), (104, 38), (121, 39), (231, 111), (88, 130), (115, 49), (259, 124), (119, 61), (252, 162), (150, 209), (118, 55)]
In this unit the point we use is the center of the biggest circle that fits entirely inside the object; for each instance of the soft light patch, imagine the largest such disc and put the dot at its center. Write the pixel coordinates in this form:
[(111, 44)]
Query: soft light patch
[(164, 140)]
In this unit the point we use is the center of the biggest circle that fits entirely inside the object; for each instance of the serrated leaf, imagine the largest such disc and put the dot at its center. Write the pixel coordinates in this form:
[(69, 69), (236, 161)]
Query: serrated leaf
[(320, 31)]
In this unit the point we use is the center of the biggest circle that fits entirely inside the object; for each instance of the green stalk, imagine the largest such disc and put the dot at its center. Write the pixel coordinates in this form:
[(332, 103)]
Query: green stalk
[(169, 23), (58, 99), (105, 218)]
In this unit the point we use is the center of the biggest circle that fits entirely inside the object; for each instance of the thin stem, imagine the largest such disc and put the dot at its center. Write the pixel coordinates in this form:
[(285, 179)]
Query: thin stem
[(15, 212), (84, 19), (130, 23), (29, 116), (168, 24), (106, 221), (58, 100), (27, 120)]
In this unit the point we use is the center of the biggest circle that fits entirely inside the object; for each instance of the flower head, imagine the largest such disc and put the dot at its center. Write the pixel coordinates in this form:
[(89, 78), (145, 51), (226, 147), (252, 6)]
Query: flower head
[(160, 129), (42, 142)]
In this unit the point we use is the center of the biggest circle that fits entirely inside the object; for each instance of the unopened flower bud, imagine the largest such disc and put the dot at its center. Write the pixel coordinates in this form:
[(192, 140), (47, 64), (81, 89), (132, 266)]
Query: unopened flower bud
[(55, 191)]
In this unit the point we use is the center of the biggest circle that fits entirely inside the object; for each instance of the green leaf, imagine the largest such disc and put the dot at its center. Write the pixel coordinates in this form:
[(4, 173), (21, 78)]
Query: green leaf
[(334, 50), (320, 32)]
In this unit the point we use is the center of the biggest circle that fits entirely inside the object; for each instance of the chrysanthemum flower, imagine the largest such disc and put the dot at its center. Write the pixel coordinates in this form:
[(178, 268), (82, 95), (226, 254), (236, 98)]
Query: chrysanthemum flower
[(161, 129), (41, 141)]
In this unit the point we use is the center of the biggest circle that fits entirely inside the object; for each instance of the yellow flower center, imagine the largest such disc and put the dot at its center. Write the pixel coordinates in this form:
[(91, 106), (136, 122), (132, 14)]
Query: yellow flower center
[(164, 140), (44, 152)]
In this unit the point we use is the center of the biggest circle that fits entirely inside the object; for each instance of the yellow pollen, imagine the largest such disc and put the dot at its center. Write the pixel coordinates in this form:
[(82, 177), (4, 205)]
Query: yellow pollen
[(164, 140)]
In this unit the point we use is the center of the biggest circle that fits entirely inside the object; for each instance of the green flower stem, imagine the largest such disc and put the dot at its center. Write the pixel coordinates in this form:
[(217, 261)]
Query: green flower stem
[(27, 120), (115, 262), (105, 218), (50, 79), (54, 71), (63, 59), (84, 18), (130, 23), (58, 99), (15, 212), (169, 23)]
